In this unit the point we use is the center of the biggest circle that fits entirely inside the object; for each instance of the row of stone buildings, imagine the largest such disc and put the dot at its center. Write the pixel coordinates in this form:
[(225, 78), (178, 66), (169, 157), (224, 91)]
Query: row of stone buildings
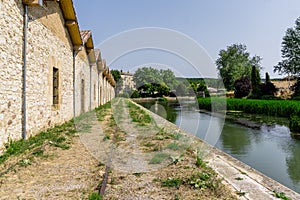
[(50, 71)]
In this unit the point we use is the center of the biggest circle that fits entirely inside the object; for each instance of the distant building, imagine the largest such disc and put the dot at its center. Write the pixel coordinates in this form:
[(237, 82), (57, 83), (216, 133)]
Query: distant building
[(128, 83)]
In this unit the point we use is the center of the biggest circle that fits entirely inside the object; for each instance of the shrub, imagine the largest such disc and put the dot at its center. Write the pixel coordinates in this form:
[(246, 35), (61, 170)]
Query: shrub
[(296, 89), (295, 123), (268, 88), (162, 99), (135, 94), (242, 87)]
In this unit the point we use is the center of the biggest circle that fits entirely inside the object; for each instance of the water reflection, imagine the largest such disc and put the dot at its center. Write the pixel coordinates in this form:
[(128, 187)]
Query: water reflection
[(293, 163), (235, 139), (163, 109), (270, 149)]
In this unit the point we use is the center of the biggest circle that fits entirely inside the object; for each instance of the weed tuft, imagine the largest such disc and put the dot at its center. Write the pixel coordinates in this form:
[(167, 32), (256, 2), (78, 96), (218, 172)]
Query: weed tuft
[(281, 195), (95, 196), (158, 158), (172, 182), (200, 162)]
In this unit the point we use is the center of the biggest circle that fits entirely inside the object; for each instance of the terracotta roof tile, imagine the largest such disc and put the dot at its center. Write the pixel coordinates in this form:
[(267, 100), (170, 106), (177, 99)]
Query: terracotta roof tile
[(85, 35)]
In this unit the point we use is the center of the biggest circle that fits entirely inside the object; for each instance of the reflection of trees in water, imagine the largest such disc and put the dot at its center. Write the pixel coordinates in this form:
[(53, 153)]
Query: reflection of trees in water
[(236, 139), (163, 109), (293, 162)]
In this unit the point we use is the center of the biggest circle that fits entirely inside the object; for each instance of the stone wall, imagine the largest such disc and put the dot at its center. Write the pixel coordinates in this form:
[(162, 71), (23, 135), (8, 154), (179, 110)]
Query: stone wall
[(11, 34), (46, 51), (95, 87), (82, 83), (49, 49)]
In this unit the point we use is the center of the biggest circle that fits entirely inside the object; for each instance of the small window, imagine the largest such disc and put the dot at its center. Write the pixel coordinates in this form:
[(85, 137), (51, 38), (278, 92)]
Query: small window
[(55, 86)]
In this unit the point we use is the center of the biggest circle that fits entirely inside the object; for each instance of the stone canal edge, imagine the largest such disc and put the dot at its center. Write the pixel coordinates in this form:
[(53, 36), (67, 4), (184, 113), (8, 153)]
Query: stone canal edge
[(239, 177)]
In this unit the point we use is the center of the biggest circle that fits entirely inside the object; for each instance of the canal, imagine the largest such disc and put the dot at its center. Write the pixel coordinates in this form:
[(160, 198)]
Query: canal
[(269, 149)]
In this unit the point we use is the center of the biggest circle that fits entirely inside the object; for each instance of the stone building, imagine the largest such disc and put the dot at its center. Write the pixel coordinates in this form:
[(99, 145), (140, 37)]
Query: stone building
[(128, 85), (49, 69)]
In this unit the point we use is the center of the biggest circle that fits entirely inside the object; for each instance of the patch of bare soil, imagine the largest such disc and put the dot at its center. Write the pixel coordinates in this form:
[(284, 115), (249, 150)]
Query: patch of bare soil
[(59, 174)]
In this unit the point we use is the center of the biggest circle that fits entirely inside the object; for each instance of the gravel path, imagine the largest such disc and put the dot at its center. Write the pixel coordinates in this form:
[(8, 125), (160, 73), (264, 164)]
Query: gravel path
[(75, 173)]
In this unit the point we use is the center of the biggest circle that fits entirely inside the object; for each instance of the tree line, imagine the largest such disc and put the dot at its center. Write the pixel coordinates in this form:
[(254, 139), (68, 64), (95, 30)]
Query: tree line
[(239, 71)]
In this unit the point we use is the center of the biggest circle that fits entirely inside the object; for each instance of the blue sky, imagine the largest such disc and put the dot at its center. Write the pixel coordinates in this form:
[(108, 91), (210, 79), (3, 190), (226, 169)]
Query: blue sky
[(214, 24)]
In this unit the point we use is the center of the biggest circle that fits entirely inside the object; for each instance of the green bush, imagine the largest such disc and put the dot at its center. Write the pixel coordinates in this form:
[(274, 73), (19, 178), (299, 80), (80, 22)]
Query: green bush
[(295, 124), (135, 94), (162, 99)]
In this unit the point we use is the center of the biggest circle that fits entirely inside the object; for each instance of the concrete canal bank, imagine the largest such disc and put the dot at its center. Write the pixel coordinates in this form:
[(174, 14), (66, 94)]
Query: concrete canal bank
[(241, 178)]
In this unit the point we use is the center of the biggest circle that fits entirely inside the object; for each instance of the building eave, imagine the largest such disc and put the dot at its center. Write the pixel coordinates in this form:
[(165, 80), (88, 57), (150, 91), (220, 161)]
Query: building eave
[(71, 22)]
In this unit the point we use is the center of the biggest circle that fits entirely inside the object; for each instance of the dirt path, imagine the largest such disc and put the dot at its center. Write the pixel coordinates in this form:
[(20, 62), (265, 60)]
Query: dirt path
[(148, 162), (63, 174)]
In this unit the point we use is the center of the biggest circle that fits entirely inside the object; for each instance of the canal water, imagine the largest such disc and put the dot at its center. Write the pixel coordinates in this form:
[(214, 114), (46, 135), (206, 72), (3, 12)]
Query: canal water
[(269, 149)]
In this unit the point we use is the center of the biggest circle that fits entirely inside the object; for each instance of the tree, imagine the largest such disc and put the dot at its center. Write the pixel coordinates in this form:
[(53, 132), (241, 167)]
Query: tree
[(255, 77), (267, 78), (268, 89), (168, 78), (146, 75), (201, 87), (290, 51), (242, 87), (235, 62), (296, 89), (255, 82), (117, 76), (150, 81), (264, 90)]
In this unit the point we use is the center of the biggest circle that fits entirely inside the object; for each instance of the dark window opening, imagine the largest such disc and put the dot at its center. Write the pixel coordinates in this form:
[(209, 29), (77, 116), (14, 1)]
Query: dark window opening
[(55, 86)]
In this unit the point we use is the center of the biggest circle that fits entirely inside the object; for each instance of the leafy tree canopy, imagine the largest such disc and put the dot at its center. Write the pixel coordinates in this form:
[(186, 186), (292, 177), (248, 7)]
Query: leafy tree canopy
[(116, 74), (290, 52), (152, 80), (234, 63)]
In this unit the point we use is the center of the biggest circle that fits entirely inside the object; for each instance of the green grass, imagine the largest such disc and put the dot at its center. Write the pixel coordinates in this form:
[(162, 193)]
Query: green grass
[(200, 162), (176, 159), (158, 158), (162, 135), (172, 182), (106, 137), (281, 195), (295, 123), (201, 180), (138, 115), (198, 180), (279, 108), (177, 197), (57, 136), (101, 111), (173, 146), (177, 136), (95, 196)]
